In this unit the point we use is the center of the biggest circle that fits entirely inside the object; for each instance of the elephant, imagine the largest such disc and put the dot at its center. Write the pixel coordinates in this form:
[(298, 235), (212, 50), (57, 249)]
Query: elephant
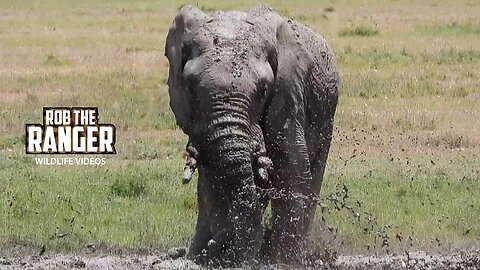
[(256, 94)]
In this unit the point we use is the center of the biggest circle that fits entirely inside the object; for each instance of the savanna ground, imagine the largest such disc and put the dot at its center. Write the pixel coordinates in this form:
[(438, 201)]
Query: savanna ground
[(406, 144)]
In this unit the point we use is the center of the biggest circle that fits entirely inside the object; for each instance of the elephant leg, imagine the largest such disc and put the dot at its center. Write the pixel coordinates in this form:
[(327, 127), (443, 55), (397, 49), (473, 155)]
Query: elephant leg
[(289, 226), (202, 234), (286, 232), (198, 246), (320, 143), (292, 179)]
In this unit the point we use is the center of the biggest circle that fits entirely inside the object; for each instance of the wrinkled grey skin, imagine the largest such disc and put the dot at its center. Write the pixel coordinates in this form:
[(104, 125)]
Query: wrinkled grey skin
[(250, 89)]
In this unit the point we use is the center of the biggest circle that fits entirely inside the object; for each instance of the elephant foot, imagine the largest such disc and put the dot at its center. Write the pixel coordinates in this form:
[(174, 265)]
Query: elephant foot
[(197, 249), (200, 258), (221, 251), (221, 240), (216, 252)]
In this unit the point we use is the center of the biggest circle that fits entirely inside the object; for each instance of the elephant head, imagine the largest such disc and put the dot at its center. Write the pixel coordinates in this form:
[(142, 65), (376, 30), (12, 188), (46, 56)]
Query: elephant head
[(224, 71)]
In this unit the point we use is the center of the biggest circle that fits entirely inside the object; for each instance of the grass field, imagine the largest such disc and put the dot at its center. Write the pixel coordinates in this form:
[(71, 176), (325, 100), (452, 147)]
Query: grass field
[(406, 145)]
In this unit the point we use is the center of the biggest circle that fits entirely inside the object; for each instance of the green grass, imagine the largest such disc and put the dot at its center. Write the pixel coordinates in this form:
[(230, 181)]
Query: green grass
[(127, 204), (430, 201), (406, 143)]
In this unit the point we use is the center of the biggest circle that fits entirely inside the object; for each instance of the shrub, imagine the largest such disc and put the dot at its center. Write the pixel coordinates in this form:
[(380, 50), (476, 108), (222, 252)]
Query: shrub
[(329, 9), (362, 31), (127, 187), (56, 61)]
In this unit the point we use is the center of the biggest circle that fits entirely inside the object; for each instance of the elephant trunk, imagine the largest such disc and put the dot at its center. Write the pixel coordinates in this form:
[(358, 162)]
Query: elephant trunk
[(232, 149)]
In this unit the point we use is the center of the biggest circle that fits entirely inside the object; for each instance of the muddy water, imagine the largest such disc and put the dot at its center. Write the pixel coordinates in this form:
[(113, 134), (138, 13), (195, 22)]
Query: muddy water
[(415, 260)]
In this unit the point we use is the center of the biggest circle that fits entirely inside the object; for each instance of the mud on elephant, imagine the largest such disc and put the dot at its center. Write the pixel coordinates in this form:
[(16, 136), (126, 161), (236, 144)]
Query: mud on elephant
[(256, 94)]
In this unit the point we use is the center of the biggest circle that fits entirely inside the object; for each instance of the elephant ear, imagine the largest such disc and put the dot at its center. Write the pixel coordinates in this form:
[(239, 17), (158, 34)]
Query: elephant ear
[(178, 50), (287, 57), (289, 62), (284, 117), (292, 65)]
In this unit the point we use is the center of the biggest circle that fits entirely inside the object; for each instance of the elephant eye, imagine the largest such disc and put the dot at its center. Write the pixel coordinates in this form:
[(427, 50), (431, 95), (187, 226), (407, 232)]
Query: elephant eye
[(186, 55)]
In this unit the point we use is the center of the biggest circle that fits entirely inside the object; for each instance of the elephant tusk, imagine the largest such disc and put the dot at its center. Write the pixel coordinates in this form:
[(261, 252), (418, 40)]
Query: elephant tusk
[(189, 170), (264, 164), (190, 164), (187, 175), (262, 172)]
